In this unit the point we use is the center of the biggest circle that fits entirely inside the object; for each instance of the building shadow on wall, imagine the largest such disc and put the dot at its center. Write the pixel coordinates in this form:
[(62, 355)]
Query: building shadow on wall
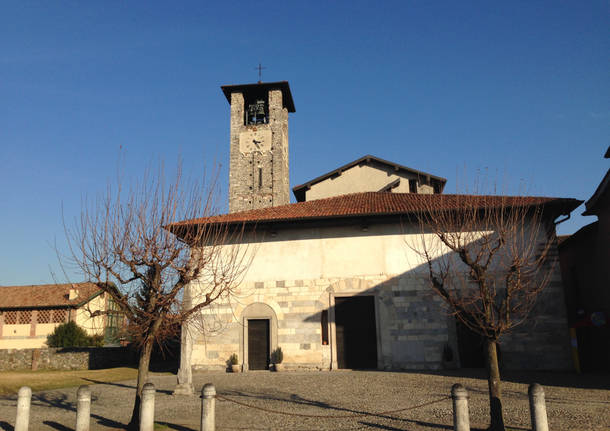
[(415, 310), (404, 318)]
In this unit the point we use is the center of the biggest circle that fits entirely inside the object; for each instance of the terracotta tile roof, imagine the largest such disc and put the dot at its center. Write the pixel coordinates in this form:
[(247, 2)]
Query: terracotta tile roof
[(46, 295), (377, 204)]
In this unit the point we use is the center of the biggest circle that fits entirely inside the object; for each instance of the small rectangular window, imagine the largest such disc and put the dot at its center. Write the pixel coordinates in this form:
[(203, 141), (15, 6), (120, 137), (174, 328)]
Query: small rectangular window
[(324, 322), (412, 186), (260, 178)]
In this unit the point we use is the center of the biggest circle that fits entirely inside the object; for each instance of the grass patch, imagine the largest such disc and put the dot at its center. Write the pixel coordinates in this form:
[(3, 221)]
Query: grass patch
[(11, 381)]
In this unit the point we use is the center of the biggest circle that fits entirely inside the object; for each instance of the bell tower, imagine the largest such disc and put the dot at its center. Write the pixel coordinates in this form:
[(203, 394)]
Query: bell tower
[(258, 169)]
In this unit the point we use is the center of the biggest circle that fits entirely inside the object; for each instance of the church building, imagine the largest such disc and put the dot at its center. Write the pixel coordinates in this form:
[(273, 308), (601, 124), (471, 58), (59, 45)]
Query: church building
[(333, 280)]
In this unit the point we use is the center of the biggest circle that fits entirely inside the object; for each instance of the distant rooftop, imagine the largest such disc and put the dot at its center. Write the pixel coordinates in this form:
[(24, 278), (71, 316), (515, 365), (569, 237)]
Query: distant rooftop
[(47, 295)]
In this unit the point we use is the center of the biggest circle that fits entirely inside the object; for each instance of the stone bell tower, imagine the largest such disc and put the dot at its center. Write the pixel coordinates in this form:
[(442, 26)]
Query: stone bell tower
[(258, 171)]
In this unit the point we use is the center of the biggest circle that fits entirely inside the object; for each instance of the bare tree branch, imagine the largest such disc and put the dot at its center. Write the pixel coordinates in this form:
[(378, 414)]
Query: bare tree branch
[(122, 243), (488, 263)]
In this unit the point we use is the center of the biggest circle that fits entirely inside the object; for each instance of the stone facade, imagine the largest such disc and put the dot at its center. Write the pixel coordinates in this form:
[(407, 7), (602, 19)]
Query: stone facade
[(412, 327), (258, 178), (298, 274)]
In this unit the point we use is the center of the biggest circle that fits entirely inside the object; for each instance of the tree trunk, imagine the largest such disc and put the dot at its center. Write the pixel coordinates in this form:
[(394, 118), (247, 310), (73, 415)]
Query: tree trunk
[(143, 365), (495, 392)]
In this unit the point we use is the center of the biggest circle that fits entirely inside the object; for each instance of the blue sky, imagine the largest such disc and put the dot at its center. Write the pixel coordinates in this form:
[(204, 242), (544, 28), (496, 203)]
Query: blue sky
[(518, 90)]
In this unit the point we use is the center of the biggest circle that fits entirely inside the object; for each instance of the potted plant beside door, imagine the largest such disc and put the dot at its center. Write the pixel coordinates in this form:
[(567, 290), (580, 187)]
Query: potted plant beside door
[(277, 356), (234, 361)]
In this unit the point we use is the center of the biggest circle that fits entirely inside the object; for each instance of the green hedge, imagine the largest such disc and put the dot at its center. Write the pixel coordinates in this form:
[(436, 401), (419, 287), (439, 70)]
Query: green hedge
[(71, 335)]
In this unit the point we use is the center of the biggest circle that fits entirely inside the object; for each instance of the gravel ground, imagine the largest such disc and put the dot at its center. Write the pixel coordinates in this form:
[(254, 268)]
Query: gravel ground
[(573, 402)]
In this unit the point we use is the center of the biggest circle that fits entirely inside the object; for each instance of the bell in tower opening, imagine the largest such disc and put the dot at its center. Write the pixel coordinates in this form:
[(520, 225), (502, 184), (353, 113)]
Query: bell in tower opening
[(256, 113)]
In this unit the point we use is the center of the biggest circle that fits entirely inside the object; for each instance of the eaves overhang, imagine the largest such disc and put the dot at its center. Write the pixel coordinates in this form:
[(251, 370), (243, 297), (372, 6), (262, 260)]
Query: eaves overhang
[(283, 86)]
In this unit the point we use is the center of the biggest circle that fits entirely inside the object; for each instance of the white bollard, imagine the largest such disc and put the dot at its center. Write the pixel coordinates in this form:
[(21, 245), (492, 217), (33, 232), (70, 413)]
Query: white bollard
[(461, 419), (208, 401), (83, 408), (147, 408), (24, 399), (537, 408)]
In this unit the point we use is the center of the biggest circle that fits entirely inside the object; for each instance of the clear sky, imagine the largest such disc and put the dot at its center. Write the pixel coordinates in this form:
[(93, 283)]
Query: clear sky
[(518, 89)]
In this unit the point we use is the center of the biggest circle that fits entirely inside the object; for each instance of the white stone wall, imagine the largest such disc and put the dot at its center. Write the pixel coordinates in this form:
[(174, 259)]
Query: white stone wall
[(297, 272), (412, 327)]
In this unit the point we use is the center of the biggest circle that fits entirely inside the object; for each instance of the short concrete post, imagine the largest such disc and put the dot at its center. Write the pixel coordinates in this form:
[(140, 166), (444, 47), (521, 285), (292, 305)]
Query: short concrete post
[(24, 399), (147, 408), (208, 401), (83, 408), (461, 419), (537, 408)]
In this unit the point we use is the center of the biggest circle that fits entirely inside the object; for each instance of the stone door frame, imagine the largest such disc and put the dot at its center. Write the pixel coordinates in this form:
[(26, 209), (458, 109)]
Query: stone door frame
[(258, 311)]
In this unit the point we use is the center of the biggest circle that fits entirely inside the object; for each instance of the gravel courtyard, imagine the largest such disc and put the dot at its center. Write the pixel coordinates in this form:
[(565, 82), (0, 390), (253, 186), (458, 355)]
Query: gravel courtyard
[(359, 397)]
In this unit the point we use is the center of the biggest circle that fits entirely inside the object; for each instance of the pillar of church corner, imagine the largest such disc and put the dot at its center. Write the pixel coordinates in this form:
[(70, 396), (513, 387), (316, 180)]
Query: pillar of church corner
[(258, 168)]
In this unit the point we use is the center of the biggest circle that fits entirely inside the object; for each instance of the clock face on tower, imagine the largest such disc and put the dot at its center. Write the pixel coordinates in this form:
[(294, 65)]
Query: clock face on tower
[(255, 139)]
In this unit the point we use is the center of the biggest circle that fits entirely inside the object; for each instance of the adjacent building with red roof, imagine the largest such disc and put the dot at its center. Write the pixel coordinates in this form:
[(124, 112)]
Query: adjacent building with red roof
[(29, 313)]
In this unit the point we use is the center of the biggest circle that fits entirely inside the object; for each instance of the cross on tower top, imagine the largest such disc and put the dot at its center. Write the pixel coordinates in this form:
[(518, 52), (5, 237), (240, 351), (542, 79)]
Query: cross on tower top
[(260, 72)]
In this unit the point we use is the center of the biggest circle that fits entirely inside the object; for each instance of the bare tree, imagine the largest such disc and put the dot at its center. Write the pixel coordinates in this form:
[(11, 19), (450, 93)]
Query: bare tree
[(130, 244), (488, 259)]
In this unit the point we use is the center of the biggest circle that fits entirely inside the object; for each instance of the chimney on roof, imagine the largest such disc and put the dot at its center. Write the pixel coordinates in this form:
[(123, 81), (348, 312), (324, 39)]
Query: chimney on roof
[(73, 294)]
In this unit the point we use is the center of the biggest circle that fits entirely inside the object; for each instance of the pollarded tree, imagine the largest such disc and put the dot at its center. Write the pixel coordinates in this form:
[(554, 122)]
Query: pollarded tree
[(124, 244), (488, 259)]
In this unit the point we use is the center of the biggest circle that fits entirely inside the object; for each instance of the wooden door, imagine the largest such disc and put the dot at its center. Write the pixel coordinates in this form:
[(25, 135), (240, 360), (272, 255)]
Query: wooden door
[(356, 332), (258, 344)]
